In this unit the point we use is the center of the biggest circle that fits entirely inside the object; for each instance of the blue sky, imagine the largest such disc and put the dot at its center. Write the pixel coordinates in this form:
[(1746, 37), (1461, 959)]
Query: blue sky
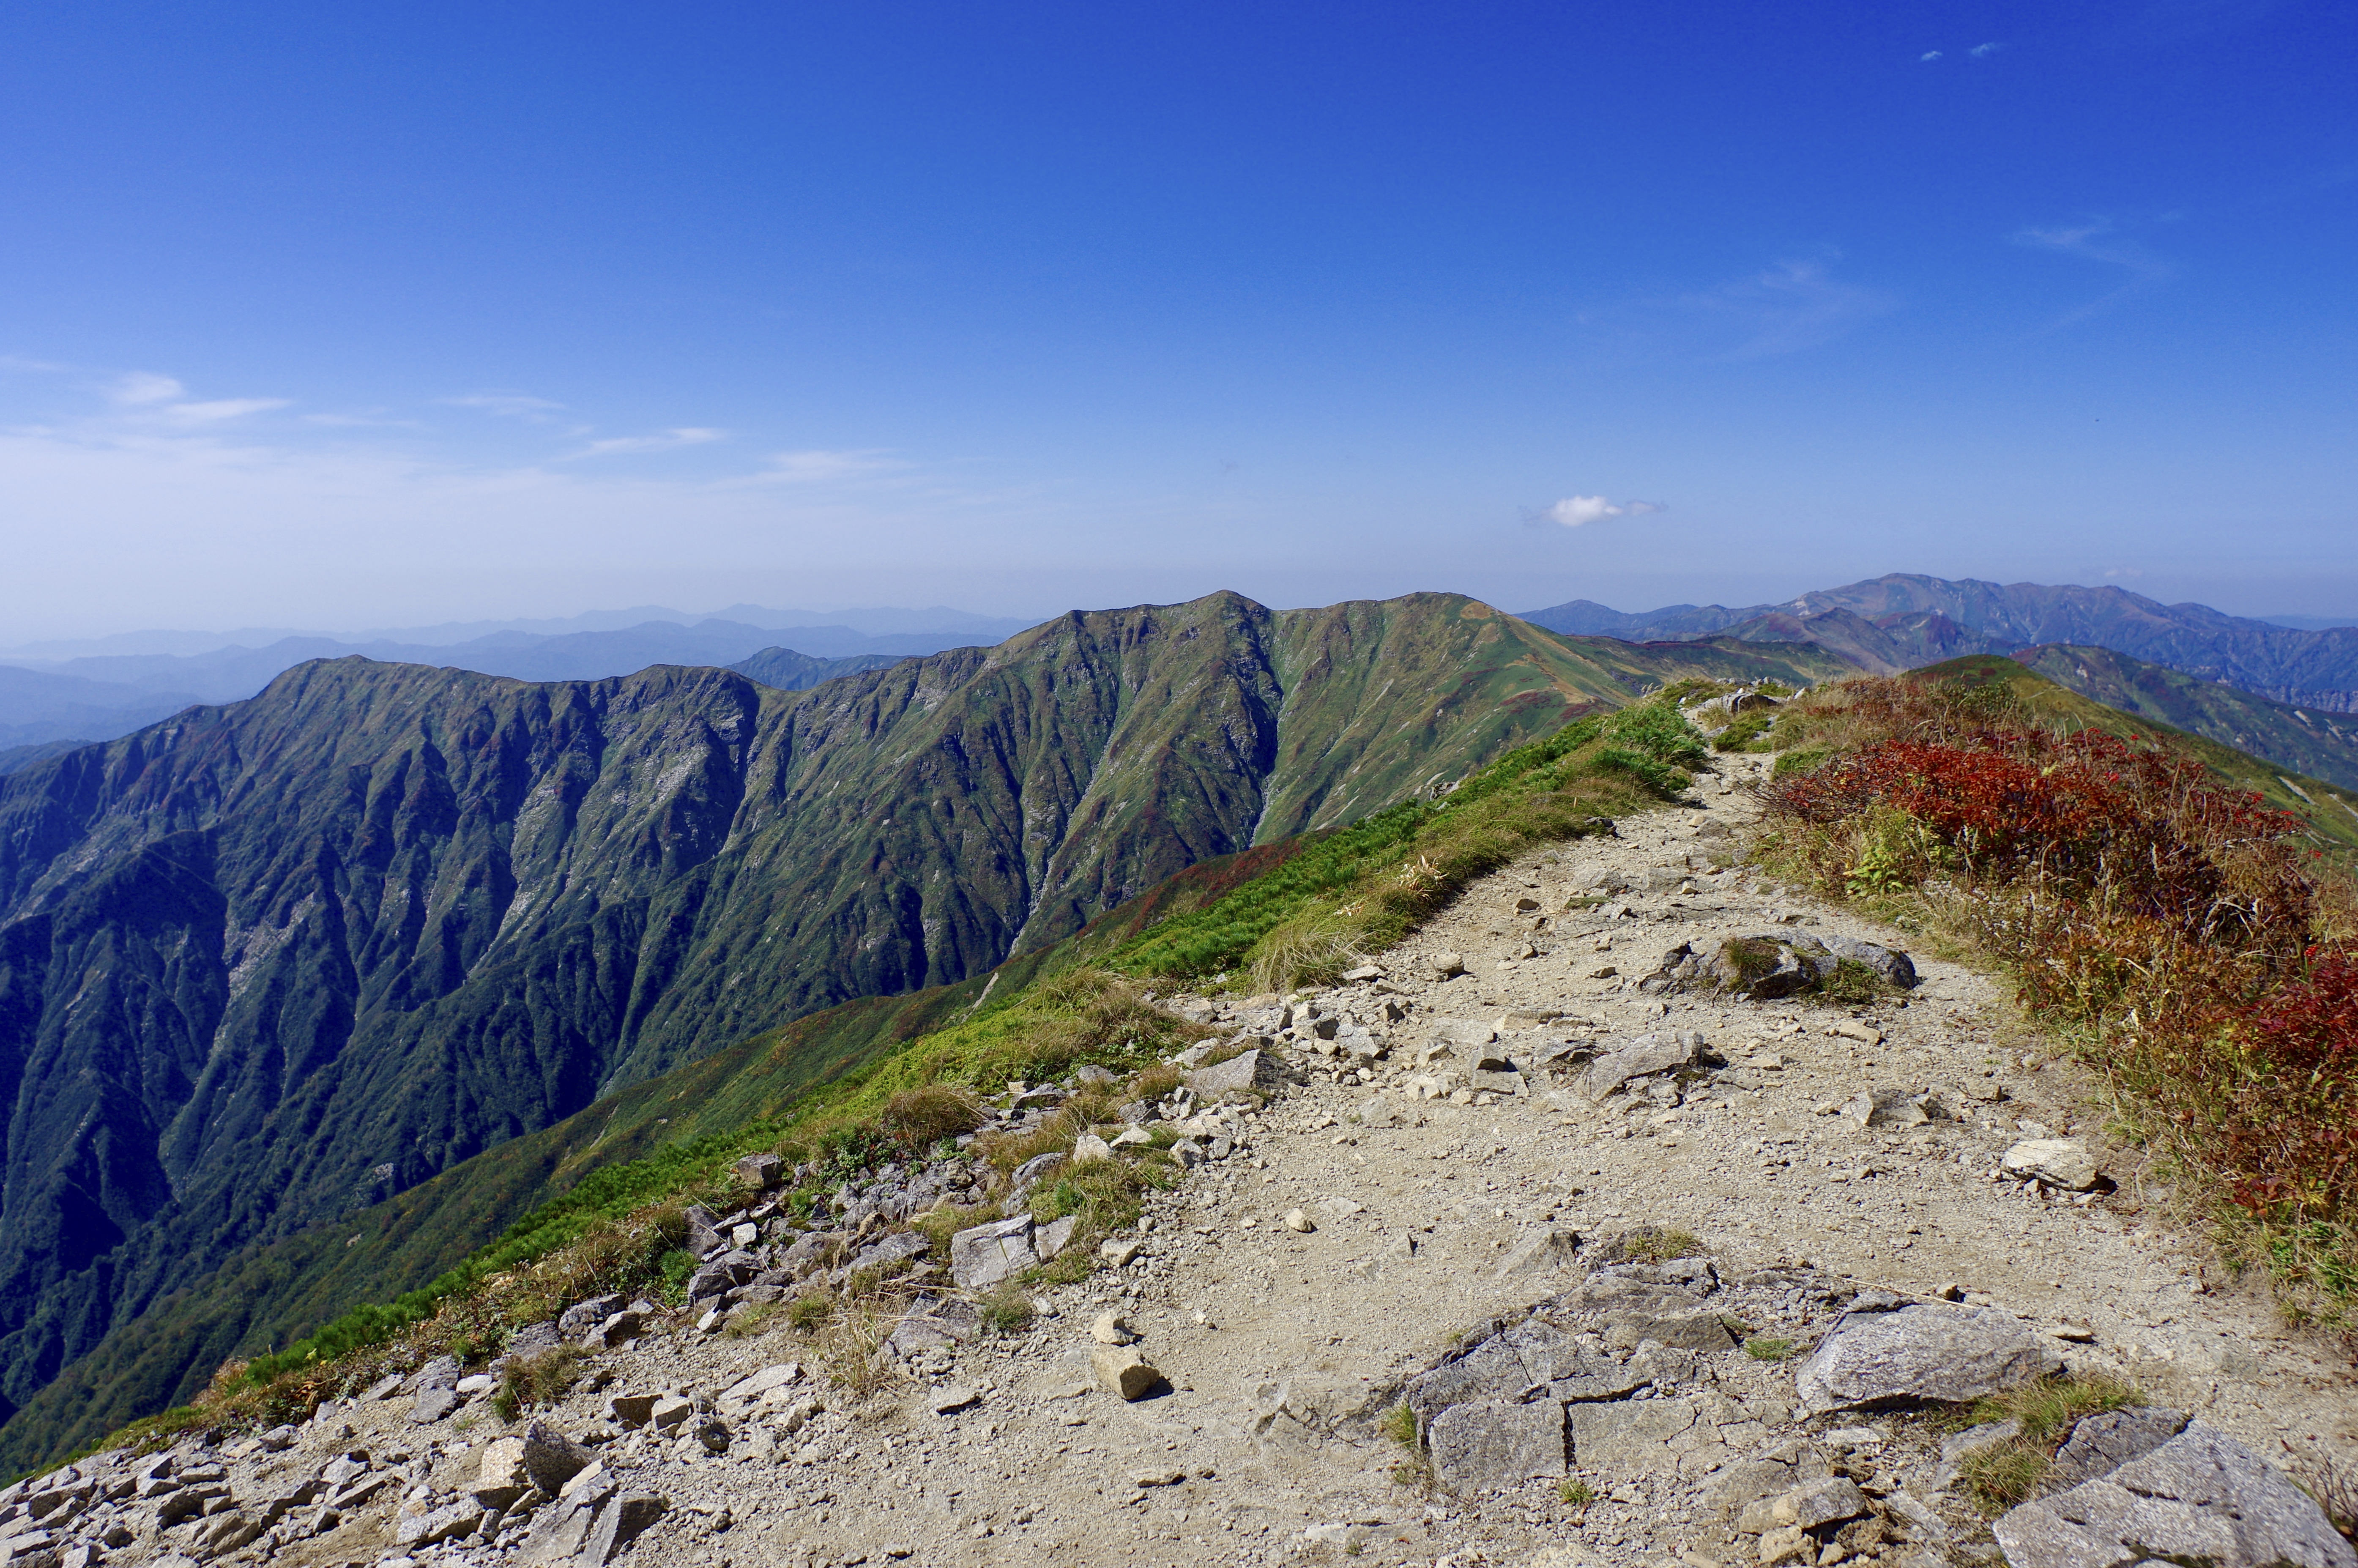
[(371, 314)]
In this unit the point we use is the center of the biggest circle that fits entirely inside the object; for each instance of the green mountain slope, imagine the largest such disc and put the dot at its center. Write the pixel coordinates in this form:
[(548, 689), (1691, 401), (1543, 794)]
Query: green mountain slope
[(262, 965), (268, 1293), (2324, 745)]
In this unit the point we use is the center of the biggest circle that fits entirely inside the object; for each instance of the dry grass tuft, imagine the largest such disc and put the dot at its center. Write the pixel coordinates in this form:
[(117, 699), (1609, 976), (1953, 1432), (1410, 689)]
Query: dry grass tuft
[(2004, 1474), (1313, 949), (534, 1382), (920, 1118), (851, 1351)]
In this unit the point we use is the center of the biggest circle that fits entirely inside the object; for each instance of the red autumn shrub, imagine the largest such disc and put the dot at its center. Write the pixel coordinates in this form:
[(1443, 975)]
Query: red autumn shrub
[(2171, 917), (2145, 831), (2292, 1133)]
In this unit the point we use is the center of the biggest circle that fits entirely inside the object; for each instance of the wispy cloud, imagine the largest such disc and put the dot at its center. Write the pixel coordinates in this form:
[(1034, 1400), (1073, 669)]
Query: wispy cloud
[(2100, 242), (1579, 510), (1792, 306), (146, 394), (818, 466), (220, 409), (1929, 54), (367, 419), (1983, 52), (664, 441), (507, 405), (2118, 573), (140, 388)]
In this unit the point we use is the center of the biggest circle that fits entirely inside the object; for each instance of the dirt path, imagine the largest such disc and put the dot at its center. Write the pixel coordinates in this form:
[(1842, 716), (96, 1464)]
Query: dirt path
[(1231, 1305)]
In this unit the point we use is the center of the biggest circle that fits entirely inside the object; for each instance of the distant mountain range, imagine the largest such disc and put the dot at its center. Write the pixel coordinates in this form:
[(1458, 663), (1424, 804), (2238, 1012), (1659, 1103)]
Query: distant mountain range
[(133, 680), (963, 626), (1907, 622)]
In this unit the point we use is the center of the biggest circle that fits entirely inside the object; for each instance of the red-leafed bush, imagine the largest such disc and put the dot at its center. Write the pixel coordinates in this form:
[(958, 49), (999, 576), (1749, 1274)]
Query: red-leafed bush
[(2175, 923), (2087, 814), (2290, 1137)]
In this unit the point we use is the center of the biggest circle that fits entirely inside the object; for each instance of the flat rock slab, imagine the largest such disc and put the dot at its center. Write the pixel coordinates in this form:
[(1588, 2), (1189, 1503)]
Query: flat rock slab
[(1705, 1331), (1950, 1354), (986, 1254), (1641, 1057), (2101, 1445), (1492, 1443), (433, 1404), (2057, 1161), (1540, 1247), (1627, 1435), (2201, 1497)]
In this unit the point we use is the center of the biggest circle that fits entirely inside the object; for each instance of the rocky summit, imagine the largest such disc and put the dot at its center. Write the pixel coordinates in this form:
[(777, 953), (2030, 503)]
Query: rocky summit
[(1506, 1248)]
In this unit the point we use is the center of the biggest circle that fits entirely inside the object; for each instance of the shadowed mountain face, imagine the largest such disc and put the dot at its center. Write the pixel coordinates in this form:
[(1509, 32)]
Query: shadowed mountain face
[(790, 671), (1904, 620), (264, 963)]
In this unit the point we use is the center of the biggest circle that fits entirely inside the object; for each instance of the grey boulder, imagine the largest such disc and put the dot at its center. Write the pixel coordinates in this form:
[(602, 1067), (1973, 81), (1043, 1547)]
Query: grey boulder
[(1950, 1354), (1896, 967), (536, 1338), (1493, 1444), (983, 1256), (1253, 1070), (2200, 1497), (2102, 1444), (551, 1458), (1540, 1247), (1641, 1057)]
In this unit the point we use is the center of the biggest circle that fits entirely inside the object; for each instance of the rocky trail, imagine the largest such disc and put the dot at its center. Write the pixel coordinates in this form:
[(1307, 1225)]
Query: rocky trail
[(1661, 1273)]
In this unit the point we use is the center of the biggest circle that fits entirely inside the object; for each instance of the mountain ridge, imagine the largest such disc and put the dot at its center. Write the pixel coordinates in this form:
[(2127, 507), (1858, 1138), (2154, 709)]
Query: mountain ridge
[(2315, 669), (349, 933)]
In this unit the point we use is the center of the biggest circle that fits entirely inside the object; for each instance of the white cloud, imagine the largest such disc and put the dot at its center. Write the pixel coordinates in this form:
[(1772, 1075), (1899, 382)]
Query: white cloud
[(1792, 306), (668, 440), (818, 466), (222, 409), (1983, 52), (373, 419), (2123, 572), (141, 387), (2098, 240), (1929, 54), (1578, 510), (507, 405)]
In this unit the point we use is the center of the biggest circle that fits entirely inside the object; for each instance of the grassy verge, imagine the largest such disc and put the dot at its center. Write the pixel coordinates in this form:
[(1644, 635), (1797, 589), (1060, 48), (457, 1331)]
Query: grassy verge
[(1340, 895), (2192, 942), (1360, 889)]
